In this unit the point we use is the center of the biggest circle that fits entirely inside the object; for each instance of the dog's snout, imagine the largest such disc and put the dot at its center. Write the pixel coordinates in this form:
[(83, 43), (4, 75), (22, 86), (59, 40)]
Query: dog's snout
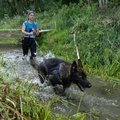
[(89, 85)]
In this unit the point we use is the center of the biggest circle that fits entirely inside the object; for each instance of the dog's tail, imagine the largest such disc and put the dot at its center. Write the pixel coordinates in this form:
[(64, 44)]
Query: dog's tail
[(34, 63)]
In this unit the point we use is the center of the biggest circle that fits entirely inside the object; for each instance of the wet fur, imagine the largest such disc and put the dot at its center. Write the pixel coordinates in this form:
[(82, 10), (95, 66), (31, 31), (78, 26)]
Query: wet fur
[(69, 73)]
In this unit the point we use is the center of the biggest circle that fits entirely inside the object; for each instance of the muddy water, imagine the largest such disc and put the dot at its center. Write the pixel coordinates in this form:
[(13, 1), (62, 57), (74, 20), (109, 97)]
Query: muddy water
[(101, 98)]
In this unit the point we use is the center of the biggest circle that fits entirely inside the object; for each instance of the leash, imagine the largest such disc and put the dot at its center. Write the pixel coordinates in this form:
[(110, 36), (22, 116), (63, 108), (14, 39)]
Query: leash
[(74, 33)]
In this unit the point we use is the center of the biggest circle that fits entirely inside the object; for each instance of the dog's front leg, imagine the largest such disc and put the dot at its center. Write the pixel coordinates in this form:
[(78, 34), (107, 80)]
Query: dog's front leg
[(55, 89), (57, 92), (64, 88), (41, 76), (63, 91)]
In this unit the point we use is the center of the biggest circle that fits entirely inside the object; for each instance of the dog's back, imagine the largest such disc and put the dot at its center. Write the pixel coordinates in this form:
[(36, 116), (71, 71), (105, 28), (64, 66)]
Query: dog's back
[(52, 62)]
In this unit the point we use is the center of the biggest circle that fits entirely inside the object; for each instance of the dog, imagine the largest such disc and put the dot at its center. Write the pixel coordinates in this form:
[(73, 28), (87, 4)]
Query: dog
[(60, 72)]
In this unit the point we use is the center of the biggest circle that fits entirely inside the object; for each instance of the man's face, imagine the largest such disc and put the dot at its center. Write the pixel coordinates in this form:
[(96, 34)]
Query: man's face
[(31, 16)]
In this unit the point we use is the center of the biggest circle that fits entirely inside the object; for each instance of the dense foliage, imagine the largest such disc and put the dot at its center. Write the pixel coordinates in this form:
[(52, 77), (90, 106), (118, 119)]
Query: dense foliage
[(97, 35), (13, 7)]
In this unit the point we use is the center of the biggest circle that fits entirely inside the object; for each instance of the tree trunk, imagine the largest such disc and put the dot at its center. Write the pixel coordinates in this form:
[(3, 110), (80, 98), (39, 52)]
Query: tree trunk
[(106, 1), (88, 2), (100, 3)]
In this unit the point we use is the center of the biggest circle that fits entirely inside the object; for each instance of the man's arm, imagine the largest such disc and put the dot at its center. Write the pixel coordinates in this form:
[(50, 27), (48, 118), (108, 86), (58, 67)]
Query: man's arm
[(37, 31)]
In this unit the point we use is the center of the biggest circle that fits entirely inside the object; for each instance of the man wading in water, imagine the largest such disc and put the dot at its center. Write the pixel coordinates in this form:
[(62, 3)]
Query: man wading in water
[(30, 30)]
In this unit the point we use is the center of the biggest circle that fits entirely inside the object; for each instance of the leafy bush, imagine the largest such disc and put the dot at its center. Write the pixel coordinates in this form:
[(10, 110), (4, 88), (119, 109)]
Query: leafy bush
[(97, 37)]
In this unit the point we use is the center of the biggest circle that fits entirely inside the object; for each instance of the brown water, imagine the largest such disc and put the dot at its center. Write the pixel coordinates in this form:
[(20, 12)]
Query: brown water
[(100, 98)]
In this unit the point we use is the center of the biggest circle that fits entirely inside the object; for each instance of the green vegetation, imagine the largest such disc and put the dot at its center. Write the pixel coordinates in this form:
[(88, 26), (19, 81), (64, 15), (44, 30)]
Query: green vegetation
[(98, 41), (18, 101), (97, 37)]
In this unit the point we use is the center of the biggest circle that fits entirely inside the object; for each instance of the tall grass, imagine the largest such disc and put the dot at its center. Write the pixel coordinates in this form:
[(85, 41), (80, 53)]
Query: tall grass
[(97, 38)]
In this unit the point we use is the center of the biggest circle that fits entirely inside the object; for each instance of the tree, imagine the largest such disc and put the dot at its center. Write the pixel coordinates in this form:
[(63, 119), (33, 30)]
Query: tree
[(102, 3)]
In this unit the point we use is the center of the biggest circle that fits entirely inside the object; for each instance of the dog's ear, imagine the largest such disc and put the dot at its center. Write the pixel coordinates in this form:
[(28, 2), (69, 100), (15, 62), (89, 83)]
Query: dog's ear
[(74, 66), (80, 63)]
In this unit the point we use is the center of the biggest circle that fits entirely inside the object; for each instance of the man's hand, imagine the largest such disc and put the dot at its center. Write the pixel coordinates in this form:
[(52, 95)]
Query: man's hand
[(31, 33), (34, 31)]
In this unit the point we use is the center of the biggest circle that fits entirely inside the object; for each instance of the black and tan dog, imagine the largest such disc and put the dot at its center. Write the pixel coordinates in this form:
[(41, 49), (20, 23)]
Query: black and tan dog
[(63, 73)]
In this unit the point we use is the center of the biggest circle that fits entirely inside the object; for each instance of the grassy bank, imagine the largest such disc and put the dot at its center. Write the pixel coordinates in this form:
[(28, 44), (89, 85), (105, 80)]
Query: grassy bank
[(97, 37)]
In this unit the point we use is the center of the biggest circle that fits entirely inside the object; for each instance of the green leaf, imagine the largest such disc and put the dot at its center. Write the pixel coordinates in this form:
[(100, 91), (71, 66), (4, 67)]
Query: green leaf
[(79, 116)]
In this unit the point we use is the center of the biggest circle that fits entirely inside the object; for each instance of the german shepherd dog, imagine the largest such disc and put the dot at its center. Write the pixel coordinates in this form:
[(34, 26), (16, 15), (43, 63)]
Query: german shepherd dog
[(60, 72)]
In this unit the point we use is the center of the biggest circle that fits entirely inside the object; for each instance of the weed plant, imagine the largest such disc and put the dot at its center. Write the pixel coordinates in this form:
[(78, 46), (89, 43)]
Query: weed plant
[(97, 37)]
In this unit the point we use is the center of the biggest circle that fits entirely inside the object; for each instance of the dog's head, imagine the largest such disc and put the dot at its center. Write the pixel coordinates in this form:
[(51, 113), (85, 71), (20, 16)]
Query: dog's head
[(78, 76)]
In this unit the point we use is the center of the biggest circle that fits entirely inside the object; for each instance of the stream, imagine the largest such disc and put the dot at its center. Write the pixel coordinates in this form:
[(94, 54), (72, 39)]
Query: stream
[(101, 98)]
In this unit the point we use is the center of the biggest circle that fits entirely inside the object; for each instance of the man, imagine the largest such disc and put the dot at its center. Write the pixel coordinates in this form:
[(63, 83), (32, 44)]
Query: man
[(30, 30)]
